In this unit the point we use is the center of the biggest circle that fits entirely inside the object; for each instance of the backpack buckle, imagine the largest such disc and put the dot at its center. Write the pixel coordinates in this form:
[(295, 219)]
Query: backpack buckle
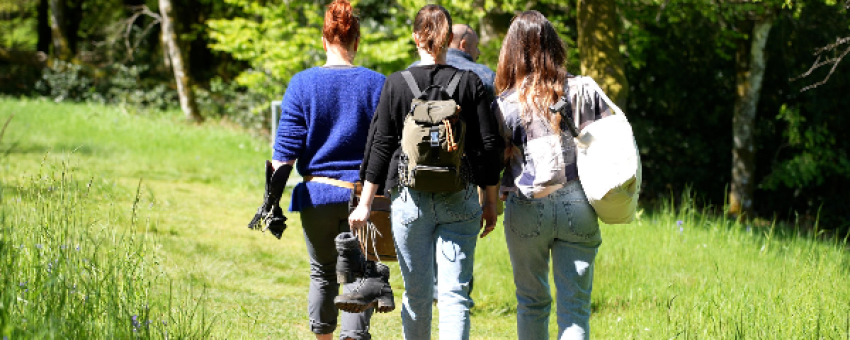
[(435, 136)]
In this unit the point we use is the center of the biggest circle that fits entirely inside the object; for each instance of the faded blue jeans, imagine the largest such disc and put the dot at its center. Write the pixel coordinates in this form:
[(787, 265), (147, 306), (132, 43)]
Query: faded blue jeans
[(563, 227), (442, 226)]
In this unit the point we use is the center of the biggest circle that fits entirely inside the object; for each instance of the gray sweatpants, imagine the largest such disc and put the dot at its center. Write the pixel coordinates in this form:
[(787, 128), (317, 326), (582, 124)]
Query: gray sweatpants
[(321, 225)]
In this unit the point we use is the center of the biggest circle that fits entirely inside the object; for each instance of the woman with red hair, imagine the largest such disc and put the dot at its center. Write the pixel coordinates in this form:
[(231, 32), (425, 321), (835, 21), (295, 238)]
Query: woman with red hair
[(324, 121)]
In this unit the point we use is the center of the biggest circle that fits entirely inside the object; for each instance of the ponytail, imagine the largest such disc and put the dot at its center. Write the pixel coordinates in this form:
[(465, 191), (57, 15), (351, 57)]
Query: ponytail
[(432, 25)]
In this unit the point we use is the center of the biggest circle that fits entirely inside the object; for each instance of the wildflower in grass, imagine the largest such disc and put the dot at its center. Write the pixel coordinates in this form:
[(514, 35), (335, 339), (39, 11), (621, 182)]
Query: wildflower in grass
[(681, 228), (136, 324), (38, 246)]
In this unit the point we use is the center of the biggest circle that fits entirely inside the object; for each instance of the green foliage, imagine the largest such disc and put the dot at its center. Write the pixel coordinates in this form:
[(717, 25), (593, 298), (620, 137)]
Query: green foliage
[(281, 39), (16, 27), (115, 84), (682, 75), (278, 40), (818, 157), (235, 103)]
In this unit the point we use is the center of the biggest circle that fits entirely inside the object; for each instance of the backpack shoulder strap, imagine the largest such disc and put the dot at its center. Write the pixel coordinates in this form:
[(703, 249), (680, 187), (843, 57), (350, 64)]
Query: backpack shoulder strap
[(450, 89), (411, 83)]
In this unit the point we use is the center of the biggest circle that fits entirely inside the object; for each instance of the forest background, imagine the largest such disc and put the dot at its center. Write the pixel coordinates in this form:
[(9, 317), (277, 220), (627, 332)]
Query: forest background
[(738, 101)]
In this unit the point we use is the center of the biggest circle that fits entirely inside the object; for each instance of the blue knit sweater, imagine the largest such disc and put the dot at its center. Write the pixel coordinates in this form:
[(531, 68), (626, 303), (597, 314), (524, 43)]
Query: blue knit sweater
[(324, 122)]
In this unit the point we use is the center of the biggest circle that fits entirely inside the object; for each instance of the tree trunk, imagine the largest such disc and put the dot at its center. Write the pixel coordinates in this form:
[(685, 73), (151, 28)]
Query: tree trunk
[(750, 65), (181, 74), (599, 47), (490, 28), (58, 32), (73, 19), (43, 27)]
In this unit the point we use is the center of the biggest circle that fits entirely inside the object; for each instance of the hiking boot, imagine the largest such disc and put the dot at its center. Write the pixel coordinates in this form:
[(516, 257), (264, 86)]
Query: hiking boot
[(373, 290), (350, 263)]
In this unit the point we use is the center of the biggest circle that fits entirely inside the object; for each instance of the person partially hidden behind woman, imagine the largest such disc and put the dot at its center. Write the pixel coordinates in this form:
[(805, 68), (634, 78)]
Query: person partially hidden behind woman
[(547, 214), (431, 217), (325, 116)]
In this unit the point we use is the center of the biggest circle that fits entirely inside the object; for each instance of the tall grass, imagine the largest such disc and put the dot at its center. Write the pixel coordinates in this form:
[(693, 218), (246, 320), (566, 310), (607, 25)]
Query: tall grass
[(69, 268), (685, 273)]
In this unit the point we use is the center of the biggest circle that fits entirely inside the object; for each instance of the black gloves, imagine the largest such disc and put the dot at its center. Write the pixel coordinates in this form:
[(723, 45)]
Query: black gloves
[(270, 213)]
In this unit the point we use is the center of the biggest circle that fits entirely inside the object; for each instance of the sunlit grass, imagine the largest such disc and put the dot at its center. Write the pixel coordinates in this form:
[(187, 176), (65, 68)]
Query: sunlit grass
[(184, 228), (71, 268)]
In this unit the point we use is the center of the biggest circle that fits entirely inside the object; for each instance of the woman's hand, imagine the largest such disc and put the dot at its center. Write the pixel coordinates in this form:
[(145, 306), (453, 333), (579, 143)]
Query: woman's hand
[(488, 219), (488, 210), (358, 217)]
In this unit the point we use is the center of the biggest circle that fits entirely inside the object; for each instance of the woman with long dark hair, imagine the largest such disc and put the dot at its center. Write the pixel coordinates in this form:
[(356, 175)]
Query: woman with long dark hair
[(547, 215), (325, 116), (431, 227)]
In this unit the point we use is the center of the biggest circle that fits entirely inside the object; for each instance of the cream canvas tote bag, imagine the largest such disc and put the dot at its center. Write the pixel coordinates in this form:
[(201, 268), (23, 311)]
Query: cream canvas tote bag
[(608, 161)]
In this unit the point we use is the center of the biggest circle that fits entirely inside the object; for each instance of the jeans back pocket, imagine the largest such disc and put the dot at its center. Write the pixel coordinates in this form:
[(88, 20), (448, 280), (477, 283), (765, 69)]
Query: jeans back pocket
[(582, 219), (523, 217)]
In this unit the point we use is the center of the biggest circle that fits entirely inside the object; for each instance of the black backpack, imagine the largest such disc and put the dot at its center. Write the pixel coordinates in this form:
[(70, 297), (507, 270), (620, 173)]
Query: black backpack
[(432, 140)]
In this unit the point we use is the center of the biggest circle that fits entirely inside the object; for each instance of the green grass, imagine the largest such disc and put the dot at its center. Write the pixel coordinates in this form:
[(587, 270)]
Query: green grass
[(176, 198)]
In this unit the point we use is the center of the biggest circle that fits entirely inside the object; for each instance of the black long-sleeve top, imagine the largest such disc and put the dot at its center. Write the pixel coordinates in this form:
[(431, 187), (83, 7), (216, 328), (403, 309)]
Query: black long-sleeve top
[(484, 146)]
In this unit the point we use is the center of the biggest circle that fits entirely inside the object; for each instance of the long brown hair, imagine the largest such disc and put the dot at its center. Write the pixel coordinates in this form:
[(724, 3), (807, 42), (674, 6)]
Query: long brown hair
[(433, 24), (341, 25), (533, 62)]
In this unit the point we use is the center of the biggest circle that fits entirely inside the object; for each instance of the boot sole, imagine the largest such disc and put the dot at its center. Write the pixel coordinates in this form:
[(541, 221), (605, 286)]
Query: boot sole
[(358, 306)]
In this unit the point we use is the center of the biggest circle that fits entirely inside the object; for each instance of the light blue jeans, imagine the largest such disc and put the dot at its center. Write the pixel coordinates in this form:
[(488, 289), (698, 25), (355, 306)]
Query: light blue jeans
[(442, 226), (563, 227)]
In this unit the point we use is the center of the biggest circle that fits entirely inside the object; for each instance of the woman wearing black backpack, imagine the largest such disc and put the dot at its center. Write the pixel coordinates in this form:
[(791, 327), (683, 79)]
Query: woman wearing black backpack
[(427, 224)]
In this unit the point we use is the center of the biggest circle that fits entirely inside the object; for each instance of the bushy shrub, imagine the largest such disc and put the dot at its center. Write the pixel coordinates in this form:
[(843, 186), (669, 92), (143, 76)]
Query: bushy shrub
[(112, 84), (240, 104)]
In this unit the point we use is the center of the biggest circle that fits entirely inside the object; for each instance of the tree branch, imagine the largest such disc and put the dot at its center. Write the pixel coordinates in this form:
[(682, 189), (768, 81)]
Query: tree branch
[(137, 12), (828, 61)]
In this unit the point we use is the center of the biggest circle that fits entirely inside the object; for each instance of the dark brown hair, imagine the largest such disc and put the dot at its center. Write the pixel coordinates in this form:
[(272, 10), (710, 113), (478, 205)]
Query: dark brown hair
[(433, 25), (533, 62), (341, 25)]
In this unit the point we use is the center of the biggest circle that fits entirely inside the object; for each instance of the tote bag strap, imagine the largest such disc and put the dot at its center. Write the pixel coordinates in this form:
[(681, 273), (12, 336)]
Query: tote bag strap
[(589, 82)]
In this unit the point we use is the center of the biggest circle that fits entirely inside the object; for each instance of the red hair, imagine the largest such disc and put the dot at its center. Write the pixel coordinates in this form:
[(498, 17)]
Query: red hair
[(341, 25), (433, 24)]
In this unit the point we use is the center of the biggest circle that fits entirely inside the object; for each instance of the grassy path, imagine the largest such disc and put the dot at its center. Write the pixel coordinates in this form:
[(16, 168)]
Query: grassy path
[(657, 279)]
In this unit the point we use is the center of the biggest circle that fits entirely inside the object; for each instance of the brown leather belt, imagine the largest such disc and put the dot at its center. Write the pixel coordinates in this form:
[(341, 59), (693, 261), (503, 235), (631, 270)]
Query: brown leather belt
[(330, 181)]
